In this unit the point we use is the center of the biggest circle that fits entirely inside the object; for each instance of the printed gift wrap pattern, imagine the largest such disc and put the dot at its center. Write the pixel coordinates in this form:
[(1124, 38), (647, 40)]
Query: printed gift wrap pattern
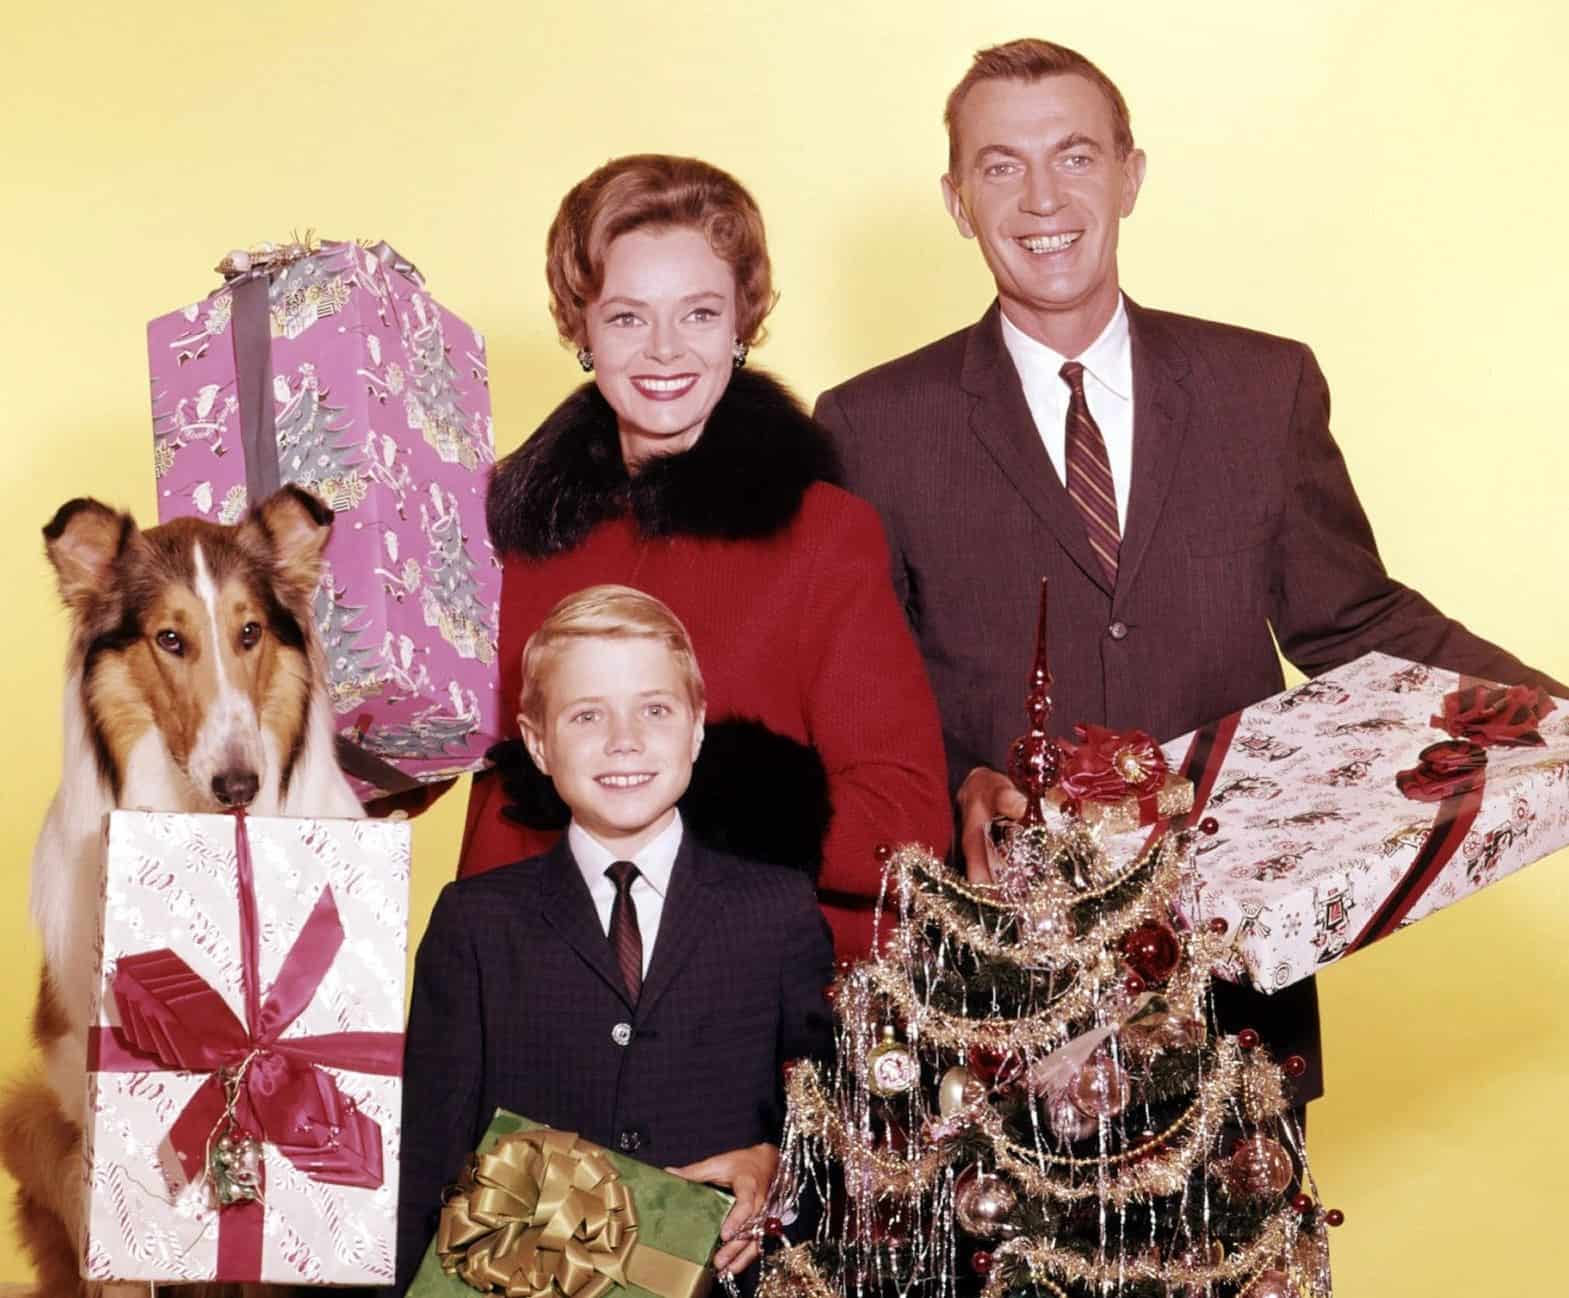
[(290, 1005), (380, 405), (1318, 851)]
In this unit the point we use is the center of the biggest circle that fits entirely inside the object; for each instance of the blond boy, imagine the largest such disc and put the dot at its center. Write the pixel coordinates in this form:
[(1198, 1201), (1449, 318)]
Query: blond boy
[(630, 984)]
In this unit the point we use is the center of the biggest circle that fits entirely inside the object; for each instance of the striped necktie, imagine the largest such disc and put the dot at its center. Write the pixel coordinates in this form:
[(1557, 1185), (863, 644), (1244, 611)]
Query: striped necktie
[(1089, 474), (625, 938)]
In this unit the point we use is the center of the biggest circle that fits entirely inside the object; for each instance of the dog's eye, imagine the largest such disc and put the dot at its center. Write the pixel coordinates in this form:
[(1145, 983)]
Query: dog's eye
[(250, 633), (170, 642)]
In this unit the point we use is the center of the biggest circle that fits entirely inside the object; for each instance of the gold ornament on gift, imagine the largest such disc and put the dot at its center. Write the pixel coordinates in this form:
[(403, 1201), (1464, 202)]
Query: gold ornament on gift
[(546, 1215)]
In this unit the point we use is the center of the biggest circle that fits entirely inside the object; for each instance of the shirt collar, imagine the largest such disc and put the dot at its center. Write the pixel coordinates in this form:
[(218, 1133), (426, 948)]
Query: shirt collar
[(1108, 360), (654, 862)]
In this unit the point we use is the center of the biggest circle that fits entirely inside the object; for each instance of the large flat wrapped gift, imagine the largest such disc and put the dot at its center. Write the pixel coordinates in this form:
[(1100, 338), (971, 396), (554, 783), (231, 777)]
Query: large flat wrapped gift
[(545, 1212), (244, 1073), (1364, 800), (335, 369)]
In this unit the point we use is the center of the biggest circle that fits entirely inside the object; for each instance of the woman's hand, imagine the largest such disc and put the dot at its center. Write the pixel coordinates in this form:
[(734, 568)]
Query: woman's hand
[(746, 1173)]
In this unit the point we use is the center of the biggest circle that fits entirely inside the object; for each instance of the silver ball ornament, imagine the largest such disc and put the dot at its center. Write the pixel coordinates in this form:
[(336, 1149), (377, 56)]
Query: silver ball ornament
[(982, 1202), (1101, 1088)]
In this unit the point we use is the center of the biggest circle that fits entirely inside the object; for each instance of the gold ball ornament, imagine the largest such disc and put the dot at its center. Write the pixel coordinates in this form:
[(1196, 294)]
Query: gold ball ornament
[(959, 1089), (982, 1203), (1130, 766), (891, 1066), (1259, 1167)]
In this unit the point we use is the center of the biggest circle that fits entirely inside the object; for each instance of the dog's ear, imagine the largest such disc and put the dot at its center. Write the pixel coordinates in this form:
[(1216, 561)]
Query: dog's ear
[(84, 540), (292, 526)]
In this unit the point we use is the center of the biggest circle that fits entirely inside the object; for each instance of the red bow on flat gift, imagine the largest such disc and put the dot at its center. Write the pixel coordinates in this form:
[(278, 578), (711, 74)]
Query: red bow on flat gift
[(173, 1019), (1496, 714), (1443, 770), (1109, 765)]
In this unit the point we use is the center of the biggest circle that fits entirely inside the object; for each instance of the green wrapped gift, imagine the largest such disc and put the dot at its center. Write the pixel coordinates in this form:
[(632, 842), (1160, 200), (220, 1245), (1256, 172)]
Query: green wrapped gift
[(541, 1213)]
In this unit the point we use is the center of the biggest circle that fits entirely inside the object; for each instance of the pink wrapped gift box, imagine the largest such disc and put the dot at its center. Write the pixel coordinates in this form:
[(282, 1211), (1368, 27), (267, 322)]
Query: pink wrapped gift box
[(338, 371), (248, 991), (1318, 852)]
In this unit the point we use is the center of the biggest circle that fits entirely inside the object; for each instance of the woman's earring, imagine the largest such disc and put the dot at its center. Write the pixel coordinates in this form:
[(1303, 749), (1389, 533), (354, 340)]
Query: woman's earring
[(738, 353), (585, 358)]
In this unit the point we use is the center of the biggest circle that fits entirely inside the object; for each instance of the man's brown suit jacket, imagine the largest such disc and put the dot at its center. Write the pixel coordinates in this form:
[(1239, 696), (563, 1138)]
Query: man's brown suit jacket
[(1243, 530)]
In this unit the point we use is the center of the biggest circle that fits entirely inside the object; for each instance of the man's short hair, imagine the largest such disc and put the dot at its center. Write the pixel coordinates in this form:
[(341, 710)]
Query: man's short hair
[(604, 612), (1032, 60), (655, 191)]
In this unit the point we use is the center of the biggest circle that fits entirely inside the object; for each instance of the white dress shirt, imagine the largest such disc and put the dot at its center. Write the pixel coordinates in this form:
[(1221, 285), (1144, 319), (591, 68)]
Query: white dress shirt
[(648, 890), (1108, 389)]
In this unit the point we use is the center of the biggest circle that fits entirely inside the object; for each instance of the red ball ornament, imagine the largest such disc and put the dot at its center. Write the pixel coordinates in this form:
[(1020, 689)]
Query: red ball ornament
[(1334, 1217), (884, 851), (1247, 1038), (1151, 950), (981, 1262), (1302, 1203), (1209, 825), (1294, 1065), (773, 1227), (1218, 926), (995, 1068), (1133, 984)]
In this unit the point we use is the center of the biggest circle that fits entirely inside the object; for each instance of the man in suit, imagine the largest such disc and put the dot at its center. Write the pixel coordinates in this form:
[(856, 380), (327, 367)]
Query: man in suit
[(1174, 478), (630, 985)]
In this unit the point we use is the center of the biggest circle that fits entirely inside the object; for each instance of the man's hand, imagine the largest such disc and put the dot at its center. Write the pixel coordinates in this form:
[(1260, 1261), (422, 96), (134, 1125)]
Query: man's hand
[(985, 795), (746, 1174)]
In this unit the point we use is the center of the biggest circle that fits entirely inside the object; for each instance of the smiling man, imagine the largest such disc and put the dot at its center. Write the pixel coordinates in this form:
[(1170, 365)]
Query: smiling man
[(1174, 478)]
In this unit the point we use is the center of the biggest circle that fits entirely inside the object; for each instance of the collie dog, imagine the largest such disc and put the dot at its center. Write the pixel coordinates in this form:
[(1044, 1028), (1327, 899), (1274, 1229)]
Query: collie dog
[(194, 682)]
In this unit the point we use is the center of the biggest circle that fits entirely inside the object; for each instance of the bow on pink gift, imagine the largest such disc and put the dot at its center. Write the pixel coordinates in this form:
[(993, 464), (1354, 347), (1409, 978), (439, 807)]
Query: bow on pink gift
[(173, 1019)]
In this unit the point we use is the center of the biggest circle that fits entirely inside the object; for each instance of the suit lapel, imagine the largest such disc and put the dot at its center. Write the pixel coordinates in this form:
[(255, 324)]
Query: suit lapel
[(1160, 427), (691, 908), (1000, 419), (567, 907)]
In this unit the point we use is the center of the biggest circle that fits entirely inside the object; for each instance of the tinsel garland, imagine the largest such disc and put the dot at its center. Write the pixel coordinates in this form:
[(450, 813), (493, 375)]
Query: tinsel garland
[(926, 886), (1160, 1166), (1039, 1259)]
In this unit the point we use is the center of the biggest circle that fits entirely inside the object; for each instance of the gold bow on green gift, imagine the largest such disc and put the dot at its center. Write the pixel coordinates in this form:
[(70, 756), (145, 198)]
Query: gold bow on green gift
[(544, 1214)]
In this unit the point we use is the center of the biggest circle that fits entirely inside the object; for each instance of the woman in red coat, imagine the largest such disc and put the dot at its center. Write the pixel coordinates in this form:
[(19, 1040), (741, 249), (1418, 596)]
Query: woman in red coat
[(707, 486)]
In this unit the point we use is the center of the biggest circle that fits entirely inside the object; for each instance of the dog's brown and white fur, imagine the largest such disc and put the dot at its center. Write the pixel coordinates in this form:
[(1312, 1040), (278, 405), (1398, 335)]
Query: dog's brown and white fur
[(194, 682)]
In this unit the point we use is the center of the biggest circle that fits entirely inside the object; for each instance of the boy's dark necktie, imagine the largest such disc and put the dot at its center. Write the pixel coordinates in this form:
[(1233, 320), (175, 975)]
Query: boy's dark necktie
[(625, 939), (1089, 474)]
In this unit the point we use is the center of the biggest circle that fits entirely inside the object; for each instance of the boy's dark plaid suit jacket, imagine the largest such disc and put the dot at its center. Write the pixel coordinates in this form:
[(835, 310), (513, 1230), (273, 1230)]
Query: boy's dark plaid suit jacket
[(518, 1003)]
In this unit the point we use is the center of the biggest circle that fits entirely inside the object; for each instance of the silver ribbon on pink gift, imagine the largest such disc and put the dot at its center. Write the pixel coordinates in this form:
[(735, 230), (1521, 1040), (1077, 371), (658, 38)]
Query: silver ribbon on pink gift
[(251, 316)]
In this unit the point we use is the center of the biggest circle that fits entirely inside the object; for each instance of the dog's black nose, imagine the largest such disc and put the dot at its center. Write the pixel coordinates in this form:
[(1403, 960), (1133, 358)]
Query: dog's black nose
[(235, 788)]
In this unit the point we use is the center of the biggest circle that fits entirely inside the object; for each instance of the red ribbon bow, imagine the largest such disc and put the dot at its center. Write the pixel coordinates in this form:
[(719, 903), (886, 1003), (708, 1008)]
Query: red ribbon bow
[(173, 1019), (1444, 770)]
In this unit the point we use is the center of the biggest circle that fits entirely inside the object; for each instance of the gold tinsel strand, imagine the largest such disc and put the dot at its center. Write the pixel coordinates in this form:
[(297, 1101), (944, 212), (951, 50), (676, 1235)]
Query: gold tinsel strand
[(1272, 1246)]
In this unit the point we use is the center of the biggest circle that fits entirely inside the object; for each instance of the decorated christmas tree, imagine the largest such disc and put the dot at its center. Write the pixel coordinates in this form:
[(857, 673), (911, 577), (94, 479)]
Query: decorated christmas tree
[(316, 446), (450, 599), (1031, 1095)]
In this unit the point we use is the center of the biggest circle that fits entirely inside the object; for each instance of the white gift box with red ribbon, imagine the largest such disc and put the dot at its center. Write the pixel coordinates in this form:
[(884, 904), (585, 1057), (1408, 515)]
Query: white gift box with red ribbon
[(1319, 848), (248, 1028)]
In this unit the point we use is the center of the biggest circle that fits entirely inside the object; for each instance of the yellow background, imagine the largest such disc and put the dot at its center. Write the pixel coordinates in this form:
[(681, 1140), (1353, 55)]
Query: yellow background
[(1382, 179)]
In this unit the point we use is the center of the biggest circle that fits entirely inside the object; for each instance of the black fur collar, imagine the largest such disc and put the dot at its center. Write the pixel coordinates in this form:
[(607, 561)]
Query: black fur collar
[(743, 480)]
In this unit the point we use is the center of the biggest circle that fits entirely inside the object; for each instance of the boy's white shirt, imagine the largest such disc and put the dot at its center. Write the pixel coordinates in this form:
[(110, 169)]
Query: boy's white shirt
[(654, 864)]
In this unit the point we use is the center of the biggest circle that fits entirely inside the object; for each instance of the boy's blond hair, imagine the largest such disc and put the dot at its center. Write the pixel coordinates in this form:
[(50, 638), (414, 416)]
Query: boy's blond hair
[(608, 612)]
